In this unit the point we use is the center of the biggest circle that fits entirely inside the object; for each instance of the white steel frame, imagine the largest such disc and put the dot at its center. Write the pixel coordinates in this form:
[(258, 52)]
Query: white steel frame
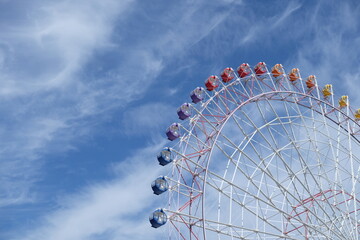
[(291, 171)]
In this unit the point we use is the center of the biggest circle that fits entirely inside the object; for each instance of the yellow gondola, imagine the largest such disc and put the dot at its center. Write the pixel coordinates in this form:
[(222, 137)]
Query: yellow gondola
[(343, 101), (357, 115), (327, 90)]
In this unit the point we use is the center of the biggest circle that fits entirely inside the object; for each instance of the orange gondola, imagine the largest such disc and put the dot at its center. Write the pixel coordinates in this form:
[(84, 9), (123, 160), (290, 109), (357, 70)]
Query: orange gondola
[(294, 74), (277, 70), (310, 82)]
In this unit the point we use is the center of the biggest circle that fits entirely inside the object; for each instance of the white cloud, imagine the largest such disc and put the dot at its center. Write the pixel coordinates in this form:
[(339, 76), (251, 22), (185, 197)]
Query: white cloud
[(116, 209), (279, 19), (148, 119), (56, 42), (263, 27), (329, 53), (44, 99)]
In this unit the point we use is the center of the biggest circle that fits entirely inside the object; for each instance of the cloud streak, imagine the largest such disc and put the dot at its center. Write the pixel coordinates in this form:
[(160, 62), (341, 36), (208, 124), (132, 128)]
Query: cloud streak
[(109, 209), (48, 101), (329, 53)]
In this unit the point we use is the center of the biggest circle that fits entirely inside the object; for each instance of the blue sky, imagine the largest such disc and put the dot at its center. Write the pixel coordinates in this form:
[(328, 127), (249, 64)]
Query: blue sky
[(88, 88)]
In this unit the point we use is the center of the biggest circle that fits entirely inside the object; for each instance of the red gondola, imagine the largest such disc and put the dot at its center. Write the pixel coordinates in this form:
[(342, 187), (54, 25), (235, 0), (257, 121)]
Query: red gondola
[(212, 82), (260, 68), (243, 70), (227, 74)]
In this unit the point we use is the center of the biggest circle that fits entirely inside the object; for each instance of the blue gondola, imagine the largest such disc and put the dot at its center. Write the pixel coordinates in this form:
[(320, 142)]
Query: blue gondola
[(160, 185), (184, 111), (165, 156), (197, 95), (173, 132), (158, 218)]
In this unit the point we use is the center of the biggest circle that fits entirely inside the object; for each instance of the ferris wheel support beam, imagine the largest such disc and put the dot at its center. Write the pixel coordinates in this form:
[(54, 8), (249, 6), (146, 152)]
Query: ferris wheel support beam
[(279, 184), (269, 200), (255, 149), (303, 162), (263, 94), (223, 224)]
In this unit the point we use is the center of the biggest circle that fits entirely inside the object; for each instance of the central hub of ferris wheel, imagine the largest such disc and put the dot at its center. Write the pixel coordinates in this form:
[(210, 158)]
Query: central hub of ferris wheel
[(261, 154)]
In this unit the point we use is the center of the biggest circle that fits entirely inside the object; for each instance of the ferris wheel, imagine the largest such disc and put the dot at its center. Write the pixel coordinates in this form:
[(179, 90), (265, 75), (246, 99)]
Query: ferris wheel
[(261, 154)]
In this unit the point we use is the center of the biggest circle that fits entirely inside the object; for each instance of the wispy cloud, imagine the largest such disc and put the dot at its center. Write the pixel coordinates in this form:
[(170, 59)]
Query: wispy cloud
[(108, 210), (56, 42), (329, 52), (278, 20), (43, 94), (263, 27), (148, 119)]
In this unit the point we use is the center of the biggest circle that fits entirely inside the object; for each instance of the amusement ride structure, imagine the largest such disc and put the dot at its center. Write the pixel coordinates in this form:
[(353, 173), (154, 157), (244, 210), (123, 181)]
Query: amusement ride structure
[(261, 154)]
